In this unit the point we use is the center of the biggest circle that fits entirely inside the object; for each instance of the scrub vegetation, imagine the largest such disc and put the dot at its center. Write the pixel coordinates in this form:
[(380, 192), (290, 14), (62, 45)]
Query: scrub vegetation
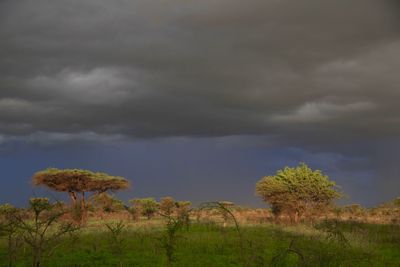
[(302, 227)]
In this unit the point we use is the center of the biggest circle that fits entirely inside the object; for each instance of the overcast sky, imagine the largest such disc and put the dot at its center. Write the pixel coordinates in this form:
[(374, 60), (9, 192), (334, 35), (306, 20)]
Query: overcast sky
[(200, 99)]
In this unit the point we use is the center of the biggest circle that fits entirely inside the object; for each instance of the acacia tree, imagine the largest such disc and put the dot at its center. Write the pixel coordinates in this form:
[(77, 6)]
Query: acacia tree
[(296, 190), (167, 206), (183, 212), (106, 203), (146, 206), (77, 182)]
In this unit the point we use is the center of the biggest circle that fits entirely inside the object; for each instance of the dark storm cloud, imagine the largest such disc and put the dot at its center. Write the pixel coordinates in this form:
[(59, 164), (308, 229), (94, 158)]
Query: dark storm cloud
[(269, 83), (201, 68)]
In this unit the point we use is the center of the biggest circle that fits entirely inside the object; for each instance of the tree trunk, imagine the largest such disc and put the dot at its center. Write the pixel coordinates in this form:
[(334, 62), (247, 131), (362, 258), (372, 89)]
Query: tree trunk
[(10, 250), (296, 217), (73, 197), (83, 207), (83, 204), (36, 258)]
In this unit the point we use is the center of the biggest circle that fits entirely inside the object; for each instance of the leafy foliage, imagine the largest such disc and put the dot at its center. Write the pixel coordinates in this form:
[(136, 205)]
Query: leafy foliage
[(147, 206), (170, 236), (167, 205), (116, 237), (106, 203), (9, 229), (77, 180), (294, 190), (41, 229), (183, 212), (333, 231), (396, 202)]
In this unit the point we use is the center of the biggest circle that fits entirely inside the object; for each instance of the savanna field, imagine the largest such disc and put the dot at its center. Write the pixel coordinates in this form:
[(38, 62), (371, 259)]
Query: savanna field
[(119, 241), (302, 226)]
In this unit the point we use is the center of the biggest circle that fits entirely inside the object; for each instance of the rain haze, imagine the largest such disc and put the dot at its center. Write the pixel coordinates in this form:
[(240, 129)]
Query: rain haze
[(200, 99)]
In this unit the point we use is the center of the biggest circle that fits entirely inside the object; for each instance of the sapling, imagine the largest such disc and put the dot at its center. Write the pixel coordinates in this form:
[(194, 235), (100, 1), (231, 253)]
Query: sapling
[(169, 237), (333, 232), (9, 230), (116, 238), (42, 233), (177, 216), (167, 206), (281, 257), (183, 212), (224, 208)]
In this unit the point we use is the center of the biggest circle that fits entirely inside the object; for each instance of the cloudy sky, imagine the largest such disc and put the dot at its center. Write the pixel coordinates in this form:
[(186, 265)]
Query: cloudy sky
[(200, 99)]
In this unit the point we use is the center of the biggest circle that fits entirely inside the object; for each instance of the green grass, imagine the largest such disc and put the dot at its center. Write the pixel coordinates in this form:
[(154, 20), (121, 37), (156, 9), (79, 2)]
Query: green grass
[(212, 245)]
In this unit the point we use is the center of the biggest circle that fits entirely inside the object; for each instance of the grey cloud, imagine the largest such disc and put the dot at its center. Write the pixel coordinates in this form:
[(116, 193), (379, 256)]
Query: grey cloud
[(289, 69), (322, 111), (46, 139), (98, 86)]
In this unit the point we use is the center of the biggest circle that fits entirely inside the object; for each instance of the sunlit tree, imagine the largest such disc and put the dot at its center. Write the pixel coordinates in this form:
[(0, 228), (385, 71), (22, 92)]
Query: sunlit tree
[(183, 211), (167, 205), (146, 206), (296, 190), (106, 203), (78, 182), (44, 230)]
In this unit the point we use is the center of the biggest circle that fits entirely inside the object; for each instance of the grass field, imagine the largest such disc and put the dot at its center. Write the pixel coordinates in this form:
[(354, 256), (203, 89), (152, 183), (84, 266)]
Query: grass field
[(148, 243)]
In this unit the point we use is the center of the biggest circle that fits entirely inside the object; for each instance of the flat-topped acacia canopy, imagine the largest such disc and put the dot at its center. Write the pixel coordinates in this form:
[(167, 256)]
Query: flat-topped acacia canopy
[(76, 180)]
